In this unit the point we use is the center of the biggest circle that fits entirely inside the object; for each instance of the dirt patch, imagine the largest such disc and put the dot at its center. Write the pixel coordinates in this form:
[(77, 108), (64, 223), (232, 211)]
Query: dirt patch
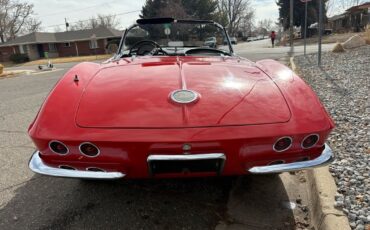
[(328, 39), (7, 74)]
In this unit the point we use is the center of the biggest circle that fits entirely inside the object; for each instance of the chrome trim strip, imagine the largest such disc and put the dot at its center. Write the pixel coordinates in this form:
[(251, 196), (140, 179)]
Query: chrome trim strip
[(79, 148), (61, 144), (313, 134), (209, 156), (325, 158), (291, 143), (37, 165)]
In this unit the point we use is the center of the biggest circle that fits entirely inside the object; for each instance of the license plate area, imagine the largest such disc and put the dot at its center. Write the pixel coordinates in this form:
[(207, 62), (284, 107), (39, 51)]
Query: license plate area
[(199, 163)]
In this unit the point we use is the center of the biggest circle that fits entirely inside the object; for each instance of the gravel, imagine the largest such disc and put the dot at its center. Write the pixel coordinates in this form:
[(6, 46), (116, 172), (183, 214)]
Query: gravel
[(343, 85)]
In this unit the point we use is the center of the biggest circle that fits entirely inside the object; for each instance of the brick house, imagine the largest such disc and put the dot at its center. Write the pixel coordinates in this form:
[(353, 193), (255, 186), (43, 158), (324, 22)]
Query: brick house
[(61, 44), (354, 19)]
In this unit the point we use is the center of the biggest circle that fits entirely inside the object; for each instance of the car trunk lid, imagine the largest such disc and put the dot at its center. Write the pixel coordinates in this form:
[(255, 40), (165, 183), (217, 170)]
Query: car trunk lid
[(138, 96)]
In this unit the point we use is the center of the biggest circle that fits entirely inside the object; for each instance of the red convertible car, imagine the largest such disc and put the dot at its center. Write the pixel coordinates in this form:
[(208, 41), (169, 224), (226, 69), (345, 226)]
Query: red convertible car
[(166, 105)]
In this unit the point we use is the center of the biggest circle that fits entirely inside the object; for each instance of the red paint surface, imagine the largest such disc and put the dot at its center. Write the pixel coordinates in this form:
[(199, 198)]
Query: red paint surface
[(123, 108)]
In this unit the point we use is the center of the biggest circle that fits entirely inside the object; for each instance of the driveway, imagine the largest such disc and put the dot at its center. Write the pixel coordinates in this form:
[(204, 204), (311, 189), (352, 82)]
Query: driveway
[(29, 201)]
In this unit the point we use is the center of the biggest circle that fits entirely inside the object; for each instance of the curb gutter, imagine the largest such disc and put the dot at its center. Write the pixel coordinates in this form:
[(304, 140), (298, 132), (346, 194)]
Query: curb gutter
[(322, 191)]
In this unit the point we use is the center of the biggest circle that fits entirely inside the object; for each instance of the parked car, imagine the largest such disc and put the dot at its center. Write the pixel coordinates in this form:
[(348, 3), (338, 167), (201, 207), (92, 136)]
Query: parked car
[(233, 41), (167, 106), (211, 42)]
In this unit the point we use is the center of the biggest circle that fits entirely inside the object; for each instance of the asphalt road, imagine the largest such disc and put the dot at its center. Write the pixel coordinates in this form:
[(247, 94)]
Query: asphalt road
[(29, 201)]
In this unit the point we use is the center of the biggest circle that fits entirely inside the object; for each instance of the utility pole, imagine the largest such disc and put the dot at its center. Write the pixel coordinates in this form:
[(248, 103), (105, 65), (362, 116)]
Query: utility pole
[(291, 28), (67, 24), (305, 27), (320, 27), (305, 24)]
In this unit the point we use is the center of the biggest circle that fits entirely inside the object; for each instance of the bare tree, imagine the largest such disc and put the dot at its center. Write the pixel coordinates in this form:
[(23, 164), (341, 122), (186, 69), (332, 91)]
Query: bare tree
[(16, 18), (57, 29), (235, 11), (32, 25), (342, 5), (246, 25), (80, 25), (265, 26), (109, 21)]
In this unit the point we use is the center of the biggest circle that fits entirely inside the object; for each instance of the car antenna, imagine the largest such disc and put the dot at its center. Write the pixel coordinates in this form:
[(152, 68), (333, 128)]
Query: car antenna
[(76, 78)]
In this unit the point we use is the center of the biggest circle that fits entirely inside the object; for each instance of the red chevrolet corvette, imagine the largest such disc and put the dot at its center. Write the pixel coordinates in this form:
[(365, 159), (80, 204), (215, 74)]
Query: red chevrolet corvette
[(168, 105)]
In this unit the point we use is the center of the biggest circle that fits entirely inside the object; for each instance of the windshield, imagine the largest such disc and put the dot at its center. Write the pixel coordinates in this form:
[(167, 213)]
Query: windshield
[(176, 38)]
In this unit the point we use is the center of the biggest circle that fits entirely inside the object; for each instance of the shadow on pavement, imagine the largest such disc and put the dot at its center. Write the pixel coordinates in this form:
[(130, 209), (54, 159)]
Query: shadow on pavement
[(56, 203)]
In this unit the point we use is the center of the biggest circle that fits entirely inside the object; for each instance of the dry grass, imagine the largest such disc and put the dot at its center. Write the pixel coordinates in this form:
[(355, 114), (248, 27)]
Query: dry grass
[(367, 35), (338, 48), (68, 59), (13, 73), (328, 39), (7, 74)]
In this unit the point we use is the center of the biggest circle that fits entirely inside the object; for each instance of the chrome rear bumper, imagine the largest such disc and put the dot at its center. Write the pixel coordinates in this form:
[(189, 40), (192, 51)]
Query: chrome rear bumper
[(37, 165), (325, 158)]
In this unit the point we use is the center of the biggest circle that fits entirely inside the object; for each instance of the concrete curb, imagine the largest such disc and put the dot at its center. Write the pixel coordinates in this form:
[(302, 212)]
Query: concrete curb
[(322, 191)]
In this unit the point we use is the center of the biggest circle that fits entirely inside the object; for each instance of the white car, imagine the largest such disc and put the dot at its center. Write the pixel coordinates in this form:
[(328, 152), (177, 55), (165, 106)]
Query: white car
[(211, 42)]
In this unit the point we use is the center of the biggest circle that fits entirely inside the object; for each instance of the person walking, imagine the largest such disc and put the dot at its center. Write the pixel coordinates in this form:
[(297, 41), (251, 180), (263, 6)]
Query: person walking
[(273, 36)]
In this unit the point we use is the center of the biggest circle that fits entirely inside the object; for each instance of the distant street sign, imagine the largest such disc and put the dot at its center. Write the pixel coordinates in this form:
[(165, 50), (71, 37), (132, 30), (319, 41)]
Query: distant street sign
[(167, 31)]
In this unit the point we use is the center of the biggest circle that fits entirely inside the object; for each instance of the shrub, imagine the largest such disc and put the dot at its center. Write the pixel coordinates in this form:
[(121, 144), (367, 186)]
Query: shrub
[(19, 58)]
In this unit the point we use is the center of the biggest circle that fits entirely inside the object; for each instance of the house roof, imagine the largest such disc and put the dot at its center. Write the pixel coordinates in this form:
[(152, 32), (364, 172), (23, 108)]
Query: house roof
[(359, 7), (337, 17), (68, 36)]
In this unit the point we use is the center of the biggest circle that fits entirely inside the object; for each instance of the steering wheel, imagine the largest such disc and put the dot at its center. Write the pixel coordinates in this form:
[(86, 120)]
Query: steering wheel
[(146, 47)]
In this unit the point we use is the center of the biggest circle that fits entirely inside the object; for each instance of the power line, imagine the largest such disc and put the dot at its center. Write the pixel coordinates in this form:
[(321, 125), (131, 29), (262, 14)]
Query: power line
[(85, 20), (76, 10)]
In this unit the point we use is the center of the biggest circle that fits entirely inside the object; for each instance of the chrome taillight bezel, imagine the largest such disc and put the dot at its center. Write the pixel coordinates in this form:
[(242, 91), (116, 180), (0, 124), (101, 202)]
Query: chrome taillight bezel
[(89, 143), (313, 145), (283, 150), (59, 142)]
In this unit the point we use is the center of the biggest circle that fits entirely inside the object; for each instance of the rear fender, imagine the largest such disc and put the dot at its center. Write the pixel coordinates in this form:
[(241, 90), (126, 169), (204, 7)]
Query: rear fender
[(302, 100), (61, 104)]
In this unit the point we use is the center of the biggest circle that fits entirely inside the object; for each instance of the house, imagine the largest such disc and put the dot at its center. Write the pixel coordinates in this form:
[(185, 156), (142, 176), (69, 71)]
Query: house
[(61, 44), (354, 19)]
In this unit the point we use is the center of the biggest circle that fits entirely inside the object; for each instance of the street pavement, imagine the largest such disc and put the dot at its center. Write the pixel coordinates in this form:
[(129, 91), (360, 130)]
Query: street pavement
[(29, 201), (263, 49)]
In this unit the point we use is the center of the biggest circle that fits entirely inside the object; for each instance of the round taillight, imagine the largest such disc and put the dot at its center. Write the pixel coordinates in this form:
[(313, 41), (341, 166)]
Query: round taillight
[(310, 141), (58, 147), (89, 149), (283, 144)]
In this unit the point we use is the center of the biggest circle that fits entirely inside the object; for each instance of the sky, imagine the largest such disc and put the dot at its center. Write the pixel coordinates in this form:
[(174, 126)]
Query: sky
[(53, 12)]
